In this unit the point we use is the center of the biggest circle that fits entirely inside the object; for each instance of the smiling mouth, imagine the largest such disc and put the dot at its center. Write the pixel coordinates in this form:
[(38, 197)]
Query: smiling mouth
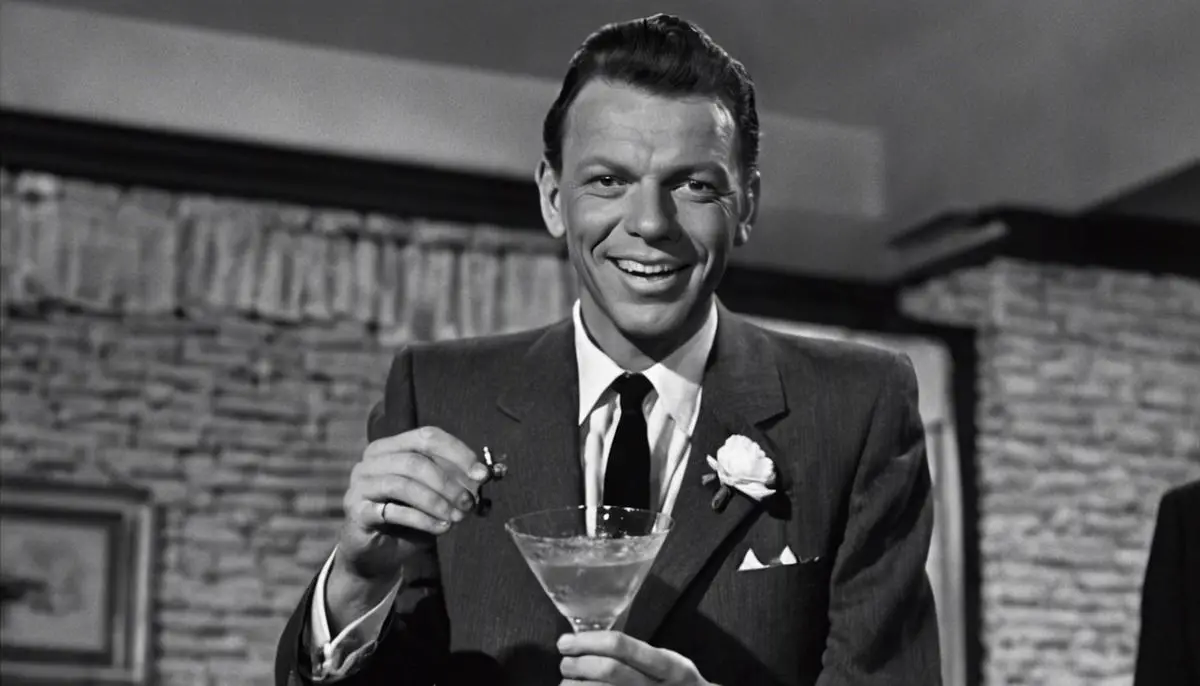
[(647, 271)]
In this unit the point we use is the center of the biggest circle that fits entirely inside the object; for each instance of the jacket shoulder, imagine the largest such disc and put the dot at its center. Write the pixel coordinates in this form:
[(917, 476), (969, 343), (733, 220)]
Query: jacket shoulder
[(835, 358), (479, 345), (477, 358), (1184, 498)]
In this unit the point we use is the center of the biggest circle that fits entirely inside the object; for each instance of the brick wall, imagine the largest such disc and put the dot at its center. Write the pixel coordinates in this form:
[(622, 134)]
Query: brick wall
[(1089, 409), (245, 436), (224, 354)]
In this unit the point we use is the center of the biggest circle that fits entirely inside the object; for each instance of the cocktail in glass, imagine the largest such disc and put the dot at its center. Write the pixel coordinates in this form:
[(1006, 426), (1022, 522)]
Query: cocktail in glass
[(591, 561)]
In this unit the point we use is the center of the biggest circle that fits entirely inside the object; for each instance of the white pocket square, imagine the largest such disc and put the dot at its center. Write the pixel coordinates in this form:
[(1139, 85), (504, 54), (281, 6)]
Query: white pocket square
[(751, 562), (787, 557)]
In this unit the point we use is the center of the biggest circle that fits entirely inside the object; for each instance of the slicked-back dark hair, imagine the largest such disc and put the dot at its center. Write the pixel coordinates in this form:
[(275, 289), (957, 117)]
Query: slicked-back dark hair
[(664, 55)]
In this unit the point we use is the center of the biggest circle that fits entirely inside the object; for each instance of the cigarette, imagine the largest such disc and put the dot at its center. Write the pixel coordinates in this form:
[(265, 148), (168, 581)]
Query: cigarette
[(484, 505), (498, 469)]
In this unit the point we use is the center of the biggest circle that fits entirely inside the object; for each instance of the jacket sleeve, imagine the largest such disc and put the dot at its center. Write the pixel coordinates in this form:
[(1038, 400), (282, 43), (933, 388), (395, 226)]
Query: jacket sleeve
[(883, 623), (414, 641)]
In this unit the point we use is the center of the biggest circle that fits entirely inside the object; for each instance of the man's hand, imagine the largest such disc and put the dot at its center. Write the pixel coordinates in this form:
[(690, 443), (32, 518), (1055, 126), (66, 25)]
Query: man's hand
[(406, 490), (611, 658)]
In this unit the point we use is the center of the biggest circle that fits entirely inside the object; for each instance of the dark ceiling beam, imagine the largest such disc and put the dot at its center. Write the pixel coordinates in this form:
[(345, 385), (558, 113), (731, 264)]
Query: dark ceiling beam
[(1092, 239), (189, 163)]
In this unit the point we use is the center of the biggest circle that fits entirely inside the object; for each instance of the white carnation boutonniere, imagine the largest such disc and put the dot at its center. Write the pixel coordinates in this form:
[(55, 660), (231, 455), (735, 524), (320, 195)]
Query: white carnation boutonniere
[(741, 465)]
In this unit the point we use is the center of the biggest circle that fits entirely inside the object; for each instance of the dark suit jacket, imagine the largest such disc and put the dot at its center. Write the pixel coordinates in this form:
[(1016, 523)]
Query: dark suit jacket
[(839, 420), (1169, 645)]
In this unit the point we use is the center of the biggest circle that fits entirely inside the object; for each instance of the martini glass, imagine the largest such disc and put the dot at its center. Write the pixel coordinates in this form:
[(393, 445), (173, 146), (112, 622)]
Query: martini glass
[(591, 561)]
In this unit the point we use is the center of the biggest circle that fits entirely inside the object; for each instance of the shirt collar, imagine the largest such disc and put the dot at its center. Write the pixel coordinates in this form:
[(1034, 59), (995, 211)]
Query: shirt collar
[(676, 378)]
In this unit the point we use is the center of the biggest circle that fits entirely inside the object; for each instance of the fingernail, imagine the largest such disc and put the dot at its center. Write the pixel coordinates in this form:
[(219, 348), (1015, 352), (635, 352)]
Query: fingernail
[(456, 515), (566, 641), (442, 524), (466, 502), (478, 472)]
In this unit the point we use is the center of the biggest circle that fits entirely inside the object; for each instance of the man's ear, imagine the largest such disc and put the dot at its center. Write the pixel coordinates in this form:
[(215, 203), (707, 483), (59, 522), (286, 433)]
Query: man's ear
[(549, 194), (749, 209)]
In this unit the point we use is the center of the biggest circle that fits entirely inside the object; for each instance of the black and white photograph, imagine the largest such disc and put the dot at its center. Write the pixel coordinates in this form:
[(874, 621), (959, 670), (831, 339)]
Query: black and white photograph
[(544, 343)]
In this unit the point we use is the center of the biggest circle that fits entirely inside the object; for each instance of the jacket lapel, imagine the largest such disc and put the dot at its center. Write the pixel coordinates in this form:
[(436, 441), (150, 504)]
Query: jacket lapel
[(542, 448), (538, 440), (742, 389)]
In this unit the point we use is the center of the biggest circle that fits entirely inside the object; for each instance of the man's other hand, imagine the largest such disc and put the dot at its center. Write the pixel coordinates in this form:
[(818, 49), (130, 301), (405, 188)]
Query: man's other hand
[(612, 658)]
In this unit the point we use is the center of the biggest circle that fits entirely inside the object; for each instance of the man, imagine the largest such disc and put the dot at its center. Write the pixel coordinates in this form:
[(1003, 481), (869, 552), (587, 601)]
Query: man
[(650, 176), (1167, 648)]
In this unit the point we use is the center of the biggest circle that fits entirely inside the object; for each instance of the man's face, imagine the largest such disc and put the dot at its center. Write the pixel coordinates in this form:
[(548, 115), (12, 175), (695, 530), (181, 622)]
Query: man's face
[(651, 200)]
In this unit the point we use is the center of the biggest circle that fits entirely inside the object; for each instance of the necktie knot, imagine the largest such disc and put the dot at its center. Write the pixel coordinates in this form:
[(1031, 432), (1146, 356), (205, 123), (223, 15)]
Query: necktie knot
[(632, 389)]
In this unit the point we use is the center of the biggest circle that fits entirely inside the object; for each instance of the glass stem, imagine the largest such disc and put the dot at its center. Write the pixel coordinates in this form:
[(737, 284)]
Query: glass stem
[(581, 625)]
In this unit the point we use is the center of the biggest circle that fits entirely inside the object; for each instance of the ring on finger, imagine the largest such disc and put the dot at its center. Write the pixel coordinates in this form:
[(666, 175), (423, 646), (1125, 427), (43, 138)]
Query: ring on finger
[(383, 511)]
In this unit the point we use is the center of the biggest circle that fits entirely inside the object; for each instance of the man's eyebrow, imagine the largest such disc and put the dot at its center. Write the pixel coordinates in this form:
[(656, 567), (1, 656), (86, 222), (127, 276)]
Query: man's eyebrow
[(671, 172), (703, 166), (602, 161)]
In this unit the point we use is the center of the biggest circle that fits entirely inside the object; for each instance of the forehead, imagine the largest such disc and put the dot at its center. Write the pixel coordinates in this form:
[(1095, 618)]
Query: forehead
[(621, 120)]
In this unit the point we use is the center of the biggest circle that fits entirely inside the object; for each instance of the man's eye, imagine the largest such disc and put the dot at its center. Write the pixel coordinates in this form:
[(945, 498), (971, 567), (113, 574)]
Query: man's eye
[(698, 186), (606, 181)]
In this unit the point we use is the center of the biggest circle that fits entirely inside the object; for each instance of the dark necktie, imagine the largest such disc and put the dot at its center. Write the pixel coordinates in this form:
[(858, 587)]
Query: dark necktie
[(627, 475)]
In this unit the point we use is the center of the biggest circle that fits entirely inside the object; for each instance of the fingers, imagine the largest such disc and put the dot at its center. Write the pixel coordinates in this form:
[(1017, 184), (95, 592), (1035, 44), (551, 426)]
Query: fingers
[(439, 478), (429, 483), (395, 514), (434, 443), (656, 663), (413, 492), (591, 669)]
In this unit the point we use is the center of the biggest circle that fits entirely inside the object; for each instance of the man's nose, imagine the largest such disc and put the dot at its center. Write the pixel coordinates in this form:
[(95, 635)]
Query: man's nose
[(653, 214)]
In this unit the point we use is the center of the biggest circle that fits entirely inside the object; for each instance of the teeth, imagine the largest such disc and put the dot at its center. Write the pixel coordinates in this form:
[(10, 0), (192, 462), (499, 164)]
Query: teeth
[(639, 268)]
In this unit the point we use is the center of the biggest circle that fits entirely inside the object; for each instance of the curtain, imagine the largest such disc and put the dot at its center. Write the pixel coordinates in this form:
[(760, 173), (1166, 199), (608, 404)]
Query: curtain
[(144, 251)]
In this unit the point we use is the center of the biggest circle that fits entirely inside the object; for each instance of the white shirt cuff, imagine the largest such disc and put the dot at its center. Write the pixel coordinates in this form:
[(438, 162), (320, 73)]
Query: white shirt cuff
[(334, 659)]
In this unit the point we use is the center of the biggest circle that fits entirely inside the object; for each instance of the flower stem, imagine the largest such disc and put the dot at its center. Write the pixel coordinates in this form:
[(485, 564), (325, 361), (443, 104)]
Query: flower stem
[(721, 498)]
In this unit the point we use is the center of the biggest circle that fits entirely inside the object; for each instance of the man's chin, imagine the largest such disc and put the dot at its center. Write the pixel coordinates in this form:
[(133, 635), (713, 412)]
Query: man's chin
[(651, 322)]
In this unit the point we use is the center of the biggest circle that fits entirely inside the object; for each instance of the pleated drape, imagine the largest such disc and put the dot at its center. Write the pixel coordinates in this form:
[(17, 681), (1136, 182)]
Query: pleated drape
[(148, 251)]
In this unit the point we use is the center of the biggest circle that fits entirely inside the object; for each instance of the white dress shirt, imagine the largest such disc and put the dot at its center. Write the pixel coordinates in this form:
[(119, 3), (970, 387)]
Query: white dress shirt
[(671, 411)]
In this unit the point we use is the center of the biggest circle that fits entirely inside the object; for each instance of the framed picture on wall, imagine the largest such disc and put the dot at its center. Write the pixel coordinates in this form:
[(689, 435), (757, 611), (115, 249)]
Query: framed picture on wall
[(75, 580)]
